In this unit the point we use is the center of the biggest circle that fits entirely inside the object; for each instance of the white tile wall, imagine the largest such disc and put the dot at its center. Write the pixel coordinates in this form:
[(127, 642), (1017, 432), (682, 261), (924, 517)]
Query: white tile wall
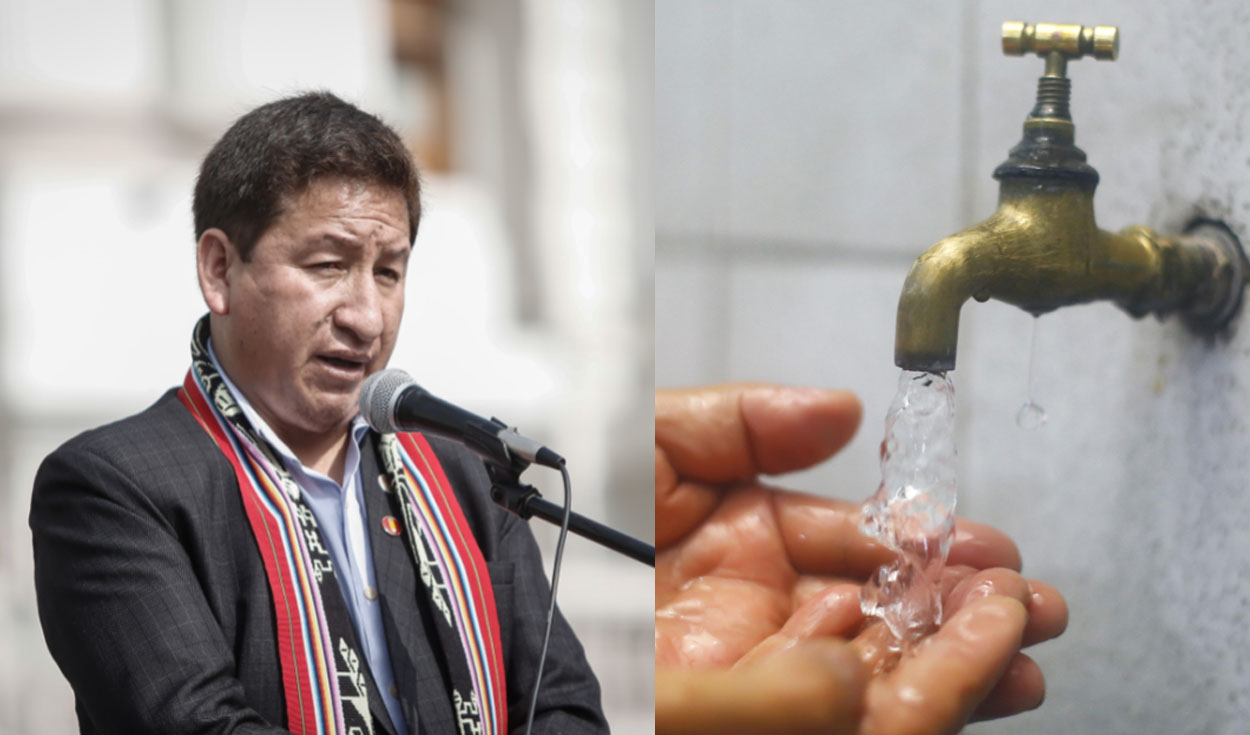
[(774, 120), (693, 97), (691, 300)]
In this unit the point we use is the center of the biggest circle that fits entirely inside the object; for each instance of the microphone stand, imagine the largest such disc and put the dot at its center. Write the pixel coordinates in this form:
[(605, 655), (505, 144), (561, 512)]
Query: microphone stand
[(508, 491)]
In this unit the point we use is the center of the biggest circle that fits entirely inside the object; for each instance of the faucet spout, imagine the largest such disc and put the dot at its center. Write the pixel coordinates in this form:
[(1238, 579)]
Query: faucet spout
[(1042, 250), (939, 282)]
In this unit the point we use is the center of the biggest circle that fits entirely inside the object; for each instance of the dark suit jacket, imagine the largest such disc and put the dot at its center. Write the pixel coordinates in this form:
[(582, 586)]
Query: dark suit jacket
[(155, 605)]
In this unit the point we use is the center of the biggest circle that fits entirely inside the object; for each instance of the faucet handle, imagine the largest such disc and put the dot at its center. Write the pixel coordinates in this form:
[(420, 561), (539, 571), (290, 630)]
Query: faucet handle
[(1069, 40), (1049, 134)]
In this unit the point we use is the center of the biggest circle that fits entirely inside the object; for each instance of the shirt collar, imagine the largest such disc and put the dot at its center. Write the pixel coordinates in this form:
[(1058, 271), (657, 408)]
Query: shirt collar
[(359, 426)]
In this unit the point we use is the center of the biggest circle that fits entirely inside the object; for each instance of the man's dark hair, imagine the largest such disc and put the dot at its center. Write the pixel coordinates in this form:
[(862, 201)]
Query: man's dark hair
[(278, 149)]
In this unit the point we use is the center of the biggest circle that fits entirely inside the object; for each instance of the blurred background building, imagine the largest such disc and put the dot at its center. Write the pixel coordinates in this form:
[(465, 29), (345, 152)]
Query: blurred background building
[(531, 120), (808, 152)]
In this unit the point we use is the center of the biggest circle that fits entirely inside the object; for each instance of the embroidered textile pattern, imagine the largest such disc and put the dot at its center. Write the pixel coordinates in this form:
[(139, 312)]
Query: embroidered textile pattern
[(453, 572)]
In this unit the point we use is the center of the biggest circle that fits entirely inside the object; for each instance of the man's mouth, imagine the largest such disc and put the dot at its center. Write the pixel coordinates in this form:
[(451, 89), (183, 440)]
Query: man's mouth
[(345, 364)]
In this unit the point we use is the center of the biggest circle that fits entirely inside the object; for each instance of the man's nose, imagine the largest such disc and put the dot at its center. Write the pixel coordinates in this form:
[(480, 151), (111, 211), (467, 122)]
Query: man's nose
[(360, 311)]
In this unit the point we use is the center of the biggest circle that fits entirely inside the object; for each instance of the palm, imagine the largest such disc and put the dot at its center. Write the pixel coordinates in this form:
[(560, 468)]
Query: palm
[(725, 587), (747, 571)]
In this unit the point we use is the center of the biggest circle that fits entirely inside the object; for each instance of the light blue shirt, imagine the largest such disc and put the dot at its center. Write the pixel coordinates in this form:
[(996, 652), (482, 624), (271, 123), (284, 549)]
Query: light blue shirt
[(340, 513)]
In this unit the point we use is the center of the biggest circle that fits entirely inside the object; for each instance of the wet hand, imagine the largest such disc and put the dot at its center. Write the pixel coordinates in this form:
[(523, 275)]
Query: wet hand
[(750, 577)]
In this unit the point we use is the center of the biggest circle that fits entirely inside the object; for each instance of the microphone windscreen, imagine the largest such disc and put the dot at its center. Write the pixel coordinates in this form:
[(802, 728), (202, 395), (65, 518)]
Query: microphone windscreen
[(377, 396)]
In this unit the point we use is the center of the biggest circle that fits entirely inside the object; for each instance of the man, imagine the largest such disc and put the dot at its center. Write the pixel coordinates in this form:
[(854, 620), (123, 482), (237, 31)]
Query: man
[(246, 556), (755, 587)]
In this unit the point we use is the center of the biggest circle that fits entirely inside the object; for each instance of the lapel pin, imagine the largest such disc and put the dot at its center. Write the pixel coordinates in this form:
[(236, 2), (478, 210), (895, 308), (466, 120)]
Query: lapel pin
[(390, 524)]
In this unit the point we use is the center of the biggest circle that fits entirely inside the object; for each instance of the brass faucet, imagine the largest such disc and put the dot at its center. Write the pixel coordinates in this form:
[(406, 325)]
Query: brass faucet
[(1042, 249)]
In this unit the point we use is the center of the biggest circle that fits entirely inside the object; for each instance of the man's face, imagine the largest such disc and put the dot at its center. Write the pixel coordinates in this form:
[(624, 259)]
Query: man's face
[(317, 307)]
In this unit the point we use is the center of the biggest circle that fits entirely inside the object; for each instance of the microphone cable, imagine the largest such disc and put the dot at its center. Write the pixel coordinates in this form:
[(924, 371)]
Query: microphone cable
[(555, 582)]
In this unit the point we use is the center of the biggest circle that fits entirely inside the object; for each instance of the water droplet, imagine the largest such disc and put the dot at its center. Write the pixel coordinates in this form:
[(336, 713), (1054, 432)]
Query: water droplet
[(1030, 416)]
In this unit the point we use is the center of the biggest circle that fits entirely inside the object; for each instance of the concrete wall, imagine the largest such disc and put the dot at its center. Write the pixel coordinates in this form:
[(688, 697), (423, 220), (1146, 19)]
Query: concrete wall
[(807, 152)]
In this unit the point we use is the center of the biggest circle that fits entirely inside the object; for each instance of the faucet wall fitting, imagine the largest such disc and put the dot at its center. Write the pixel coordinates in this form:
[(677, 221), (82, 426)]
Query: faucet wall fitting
[(1042, 249)]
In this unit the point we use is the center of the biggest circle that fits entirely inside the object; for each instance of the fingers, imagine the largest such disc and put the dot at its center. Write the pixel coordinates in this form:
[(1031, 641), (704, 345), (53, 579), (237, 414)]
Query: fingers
[(963, 586), (984, 583), (817, 687), (833, 613), (981, 546), (795, 428), (822, 537), (1021, 689), (716, 435), (736, 431), (813, 585), (877, 647), (937, 688), (732, 432), (1048, 612), (679, 506)]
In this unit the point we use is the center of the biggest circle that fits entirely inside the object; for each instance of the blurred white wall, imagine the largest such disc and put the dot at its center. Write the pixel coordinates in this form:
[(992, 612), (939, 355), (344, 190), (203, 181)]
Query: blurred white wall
[(529, 252), (808, 152)]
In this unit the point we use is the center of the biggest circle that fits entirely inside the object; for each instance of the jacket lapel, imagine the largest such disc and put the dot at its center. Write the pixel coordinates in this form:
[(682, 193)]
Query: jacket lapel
[(416, 655)]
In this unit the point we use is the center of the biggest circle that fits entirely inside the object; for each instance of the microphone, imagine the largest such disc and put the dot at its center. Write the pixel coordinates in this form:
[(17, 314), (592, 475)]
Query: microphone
[(390, 401)]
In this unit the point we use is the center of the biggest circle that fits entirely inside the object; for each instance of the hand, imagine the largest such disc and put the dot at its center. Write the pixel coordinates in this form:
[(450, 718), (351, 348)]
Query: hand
[(757, 589)]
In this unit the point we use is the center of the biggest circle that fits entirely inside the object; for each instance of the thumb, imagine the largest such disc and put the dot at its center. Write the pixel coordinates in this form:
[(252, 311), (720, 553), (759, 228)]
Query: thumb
[(816, 687), (732, 432)]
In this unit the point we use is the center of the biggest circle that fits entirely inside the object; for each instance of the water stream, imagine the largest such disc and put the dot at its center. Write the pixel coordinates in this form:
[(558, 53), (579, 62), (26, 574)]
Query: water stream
[(1031, 415), (913, 510)]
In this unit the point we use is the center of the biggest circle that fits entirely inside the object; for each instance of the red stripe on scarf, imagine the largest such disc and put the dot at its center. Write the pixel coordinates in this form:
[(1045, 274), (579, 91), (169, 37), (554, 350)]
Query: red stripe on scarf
[(484, 594), (300, 708)]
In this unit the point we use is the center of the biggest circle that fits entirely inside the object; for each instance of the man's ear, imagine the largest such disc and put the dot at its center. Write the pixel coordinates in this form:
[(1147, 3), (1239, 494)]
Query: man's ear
[(214, 255)]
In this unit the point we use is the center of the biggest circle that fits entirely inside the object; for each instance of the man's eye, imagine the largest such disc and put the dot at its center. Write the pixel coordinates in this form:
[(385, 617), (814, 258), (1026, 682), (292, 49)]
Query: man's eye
[(389, 274), (326, 266)]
